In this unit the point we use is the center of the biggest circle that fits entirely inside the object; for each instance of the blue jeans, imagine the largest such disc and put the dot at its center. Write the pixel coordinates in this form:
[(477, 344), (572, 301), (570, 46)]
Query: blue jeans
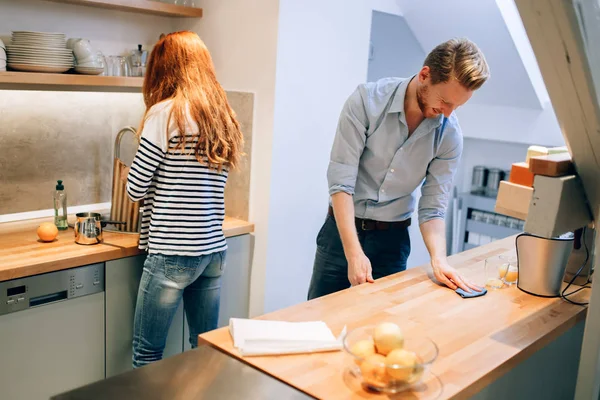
[(165, 281), (387, 250)]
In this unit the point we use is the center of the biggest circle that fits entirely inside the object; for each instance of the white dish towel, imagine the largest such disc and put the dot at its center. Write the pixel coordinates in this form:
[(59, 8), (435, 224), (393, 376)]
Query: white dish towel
[(259, 337)]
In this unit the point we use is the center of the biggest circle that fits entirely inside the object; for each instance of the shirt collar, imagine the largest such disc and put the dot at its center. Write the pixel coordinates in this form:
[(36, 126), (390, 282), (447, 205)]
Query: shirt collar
[(397, 105)]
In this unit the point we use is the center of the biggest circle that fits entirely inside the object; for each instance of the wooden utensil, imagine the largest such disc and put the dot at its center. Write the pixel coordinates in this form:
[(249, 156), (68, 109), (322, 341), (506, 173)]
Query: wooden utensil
[(122, 208)]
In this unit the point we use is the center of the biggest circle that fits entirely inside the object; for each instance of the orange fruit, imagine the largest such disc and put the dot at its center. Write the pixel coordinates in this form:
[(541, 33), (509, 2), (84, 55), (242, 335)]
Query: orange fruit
[(362, 349), (401, 364), (47, 231), (388, 336), (373, 370)]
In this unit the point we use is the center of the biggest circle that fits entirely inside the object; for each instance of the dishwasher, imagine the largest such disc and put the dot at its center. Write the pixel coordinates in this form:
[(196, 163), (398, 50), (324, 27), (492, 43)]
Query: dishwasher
[(51, 332)]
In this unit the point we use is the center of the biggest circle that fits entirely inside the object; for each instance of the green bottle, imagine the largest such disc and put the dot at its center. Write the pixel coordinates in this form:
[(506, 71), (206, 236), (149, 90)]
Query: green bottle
[(60, 207)]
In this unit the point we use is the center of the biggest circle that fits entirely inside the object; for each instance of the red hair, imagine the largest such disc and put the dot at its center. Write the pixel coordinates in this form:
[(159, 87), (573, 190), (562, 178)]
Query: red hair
[(180, 68)]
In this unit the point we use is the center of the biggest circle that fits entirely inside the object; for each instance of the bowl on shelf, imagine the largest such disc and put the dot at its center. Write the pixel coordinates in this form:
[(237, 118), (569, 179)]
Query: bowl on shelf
[(399, 370)]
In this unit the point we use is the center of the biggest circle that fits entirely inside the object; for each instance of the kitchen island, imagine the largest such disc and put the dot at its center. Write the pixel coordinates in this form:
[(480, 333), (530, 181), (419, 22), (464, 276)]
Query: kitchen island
[(481, 340)]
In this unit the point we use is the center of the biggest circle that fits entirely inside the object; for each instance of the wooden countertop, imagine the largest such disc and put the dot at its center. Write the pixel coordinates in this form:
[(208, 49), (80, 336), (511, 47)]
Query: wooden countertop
[(479, 339), (22, 254)]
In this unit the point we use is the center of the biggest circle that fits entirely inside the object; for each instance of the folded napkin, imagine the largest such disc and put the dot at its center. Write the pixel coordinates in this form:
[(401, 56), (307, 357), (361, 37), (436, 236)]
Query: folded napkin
[(260, 337)]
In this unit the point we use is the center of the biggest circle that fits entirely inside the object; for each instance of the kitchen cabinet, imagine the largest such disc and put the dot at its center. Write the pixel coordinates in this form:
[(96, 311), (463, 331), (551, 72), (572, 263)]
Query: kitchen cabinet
[(122, 281)]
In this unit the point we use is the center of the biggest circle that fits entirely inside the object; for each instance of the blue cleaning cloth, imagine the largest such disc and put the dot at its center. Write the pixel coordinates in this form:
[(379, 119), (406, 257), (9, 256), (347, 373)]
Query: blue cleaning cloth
[(464, 294)]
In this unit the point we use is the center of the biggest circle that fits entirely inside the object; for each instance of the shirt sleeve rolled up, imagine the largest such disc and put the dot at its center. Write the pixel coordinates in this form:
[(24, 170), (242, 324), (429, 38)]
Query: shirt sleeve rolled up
[(435, 192), (348, 145)]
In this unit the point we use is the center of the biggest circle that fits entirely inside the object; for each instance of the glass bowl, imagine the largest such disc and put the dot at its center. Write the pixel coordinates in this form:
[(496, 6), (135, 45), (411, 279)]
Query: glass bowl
[(380, 375)]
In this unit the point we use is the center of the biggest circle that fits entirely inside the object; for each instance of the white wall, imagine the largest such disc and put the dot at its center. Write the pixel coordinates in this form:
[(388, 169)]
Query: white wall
[(321, 58), (511, 124), (242, 38), (482, 22), (515, 26), (394, 49)]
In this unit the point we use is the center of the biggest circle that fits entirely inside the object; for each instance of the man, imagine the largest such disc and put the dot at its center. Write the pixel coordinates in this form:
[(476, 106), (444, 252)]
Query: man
[(394, 135)]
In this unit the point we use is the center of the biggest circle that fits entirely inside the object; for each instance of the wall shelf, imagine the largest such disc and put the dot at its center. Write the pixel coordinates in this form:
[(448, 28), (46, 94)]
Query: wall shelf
[(495, 231), (139, 6), (69, 82)]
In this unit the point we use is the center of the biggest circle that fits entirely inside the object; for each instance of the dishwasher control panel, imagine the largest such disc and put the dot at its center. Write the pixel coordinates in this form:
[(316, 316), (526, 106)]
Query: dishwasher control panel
[(33, 291)]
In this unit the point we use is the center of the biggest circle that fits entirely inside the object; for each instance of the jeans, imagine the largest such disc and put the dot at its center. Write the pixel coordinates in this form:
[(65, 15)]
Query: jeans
[(387, 250), (165, 281)]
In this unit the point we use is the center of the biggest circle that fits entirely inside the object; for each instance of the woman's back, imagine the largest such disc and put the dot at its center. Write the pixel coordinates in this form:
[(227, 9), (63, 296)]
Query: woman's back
[(184, 205)]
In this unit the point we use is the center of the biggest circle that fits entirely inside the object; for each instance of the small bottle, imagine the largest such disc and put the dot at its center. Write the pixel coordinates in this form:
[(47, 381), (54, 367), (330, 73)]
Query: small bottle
[(60, 207)]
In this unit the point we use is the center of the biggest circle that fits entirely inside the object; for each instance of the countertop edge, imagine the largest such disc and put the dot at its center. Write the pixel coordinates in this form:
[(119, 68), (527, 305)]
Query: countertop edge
[(236, 227)]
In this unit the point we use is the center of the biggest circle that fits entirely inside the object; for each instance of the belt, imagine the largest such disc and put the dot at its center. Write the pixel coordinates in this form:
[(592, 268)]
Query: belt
[(372, 225)]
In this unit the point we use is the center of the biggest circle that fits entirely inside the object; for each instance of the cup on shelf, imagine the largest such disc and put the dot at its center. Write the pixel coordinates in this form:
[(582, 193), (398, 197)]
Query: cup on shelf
[(71, 42), (118, 66), (83, 50)]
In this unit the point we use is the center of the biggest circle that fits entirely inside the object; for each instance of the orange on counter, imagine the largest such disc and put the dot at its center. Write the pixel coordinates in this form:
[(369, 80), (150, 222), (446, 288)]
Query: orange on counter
[(47, 231)]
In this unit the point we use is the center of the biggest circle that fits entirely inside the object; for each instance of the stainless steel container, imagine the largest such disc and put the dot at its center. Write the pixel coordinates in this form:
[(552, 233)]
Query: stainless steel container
[(479, 179), (88, 228), (542, 263), (495, 175)]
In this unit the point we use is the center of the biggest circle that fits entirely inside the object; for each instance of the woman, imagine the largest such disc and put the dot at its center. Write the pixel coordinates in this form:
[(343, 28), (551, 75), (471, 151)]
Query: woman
[(190, 138)]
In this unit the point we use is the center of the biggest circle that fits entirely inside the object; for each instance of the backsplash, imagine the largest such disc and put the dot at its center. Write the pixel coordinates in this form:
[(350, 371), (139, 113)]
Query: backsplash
[(45, 136)]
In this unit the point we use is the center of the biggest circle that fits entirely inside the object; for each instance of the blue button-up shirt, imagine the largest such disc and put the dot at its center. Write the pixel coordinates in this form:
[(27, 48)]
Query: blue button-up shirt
[(374, 159)]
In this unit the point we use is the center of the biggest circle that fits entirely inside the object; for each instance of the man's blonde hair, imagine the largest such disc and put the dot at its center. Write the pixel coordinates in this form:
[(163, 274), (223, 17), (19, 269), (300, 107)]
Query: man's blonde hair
[(460, 59)]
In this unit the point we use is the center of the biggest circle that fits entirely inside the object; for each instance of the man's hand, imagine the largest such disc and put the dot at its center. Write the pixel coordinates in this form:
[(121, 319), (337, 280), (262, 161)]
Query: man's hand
[(359, 266), (450, 277), (359, 269), (434, 235)]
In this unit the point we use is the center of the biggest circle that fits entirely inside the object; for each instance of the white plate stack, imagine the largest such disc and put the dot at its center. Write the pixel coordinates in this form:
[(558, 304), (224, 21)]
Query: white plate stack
[(39, 52), (2, 56)]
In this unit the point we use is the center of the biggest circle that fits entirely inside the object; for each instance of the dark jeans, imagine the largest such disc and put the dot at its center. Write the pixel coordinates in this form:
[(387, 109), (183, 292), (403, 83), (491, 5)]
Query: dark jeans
[(387, 250)]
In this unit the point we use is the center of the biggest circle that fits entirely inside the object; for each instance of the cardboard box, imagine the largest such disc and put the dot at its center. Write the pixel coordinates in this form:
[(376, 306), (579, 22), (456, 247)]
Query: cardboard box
[(513, 200)]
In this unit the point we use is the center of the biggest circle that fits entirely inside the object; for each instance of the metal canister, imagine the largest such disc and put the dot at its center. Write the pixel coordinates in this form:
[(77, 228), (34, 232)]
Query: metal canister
[(479, 179), (495, 175)]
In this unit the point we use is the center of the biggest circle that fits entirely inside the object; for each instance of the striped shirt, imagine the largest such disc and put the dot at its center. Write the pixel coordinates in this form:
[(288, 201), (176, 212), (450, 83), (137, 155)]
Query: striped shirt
[(184, 203)]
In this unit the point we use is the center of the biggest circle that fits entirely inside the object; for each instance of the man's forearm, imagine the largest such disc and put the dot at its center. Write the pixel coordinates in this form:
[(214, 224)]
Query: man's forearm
[(343, 208), (434, 236)]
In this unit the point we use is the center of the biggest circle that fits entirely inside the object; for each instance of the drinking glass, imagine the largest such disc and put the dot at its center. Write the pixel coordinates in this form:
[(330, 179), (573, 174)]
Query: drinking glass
[(494, 266), (509, 273), (118, 66)]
